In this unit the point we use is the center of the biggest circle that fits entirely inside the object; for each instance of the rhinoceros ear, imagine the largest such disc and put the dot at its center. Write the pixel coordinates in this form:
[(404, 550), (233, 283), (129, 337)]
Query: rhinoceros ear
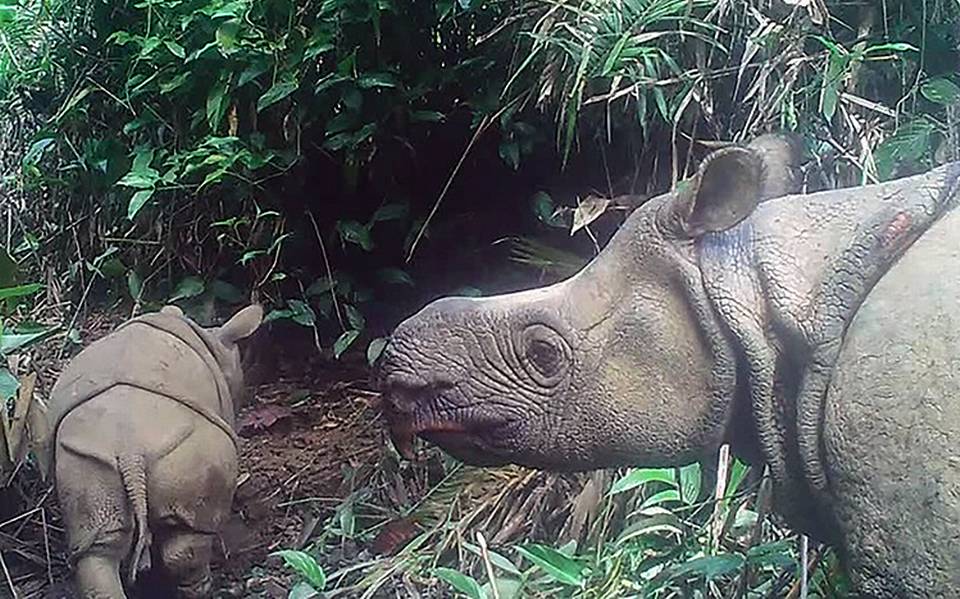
[(242, 325), (725, 190), (172, 310)]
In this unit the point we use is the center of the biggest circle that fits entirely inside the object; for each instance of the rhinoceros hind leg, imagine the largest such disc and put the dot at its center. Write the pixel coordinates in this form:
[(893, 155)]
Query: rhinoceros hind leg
[(98, 577), (186, 557)]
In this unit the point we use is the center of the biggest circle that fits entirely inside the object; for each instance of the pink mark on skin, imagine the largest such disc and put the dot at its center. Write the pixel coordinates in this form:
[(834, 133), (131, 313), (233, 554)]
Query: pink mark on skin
[(897, 232)]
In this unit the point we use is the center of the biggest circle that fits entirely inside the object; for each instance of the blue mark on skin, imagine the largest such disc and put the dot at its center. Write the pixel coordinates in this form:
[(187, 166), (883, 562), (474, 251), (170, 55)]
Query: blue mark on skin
[(727, 248)]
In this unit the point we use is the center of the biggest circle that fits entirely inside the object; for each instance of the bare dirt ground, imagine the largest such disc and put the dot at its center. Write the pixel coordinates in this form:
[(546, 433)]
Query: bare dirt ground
[(309, 422)]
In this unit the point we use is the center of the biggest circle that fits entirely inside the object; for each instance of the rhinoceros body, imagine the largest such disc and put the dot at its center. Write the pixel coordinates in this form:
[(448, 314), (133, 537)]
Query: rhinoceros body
[(818, 334), (144, 449)]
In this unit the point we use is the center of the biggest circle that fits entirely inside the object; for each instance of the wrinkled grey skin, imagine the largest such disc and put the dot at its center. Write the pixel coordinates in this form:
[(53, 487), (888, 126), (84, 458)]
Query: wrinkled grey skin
[(819, 334), (144, 449)]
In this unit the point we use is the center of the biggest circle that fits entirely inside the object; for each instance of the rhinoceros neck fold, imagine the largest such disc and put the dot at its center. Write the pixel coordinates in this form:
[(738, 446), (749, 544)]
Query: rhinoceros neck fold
[(787, 282)]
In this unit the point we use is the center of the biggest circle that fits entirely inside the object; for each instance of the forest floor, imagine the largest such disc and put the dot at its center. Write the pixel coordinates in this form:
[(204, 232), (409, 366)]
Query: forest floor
[(309, 423)]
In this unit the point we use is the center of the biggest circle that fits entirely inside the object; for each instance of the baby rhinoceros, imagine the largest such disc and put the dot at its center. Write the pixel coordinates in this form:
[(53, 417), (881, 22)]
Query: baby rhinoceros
[(145, 450)]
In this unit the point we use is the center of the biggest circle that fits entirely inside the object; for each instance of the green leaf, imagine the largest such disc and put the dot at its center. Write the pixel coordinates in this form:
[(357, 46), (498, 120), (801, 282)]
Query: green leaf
[(226, 35), (304, 565), (690, 479), (36, 151), (708, 567), (557, 565), (641, 476), (372, 80), (661, 497), (510, 153), (546, 210), (355, 317), (907, 145), (496, 559), (427, 116), (375, 348), (187, 288), (343, 342), (301, 313), (777, 554), (226, 292), (9, 385), (217, 102), (175, 49), (353, 232), (302, 590), (662, 521), (941, 91), (134, 284), (394, 276), (12, 342), (19, 290), (389, 212), (830, 88), (137, 202), (279, 91), (461, 582), (320, 286)]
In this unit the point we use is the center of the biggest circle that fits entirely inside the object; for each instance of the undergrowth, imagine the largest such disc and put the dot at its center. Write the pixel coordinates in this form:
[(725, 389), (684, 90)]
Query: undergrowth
[(209, 152)]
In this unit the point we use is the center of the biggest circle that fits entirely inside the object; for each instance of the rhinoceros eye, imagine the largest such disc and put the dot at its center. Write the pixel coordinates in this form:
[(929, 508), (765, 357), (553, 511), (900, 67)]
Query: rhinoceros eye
[(544, 355)]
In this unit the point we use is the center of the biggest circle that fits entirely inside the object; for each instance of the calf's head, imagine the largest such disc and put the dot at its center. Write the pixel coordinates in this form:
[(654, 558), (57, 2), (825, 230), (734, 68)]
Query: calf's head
[(623, 363), (223, 342)]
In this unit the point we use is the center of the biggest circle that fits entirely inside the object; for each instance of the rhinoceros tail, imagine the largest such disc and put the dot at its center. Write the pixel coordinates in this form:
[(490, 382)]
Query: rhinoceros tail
[(133, 474)]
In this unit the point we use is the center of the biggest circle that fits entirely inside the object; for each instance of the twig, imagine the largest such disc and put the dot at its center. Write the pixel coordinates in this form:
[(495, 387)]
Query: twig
[(326, 263), (486, 562), (46, 544), (484, 125)]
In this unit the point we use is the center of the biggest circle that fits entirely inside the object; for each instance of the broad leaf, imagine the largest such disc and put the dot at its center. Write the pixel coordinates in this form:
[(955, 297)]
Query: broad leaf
[(278, 92), (394, 276), (588, 211), (343, 342), (12, 342), (9, 385), (907, 145), (138, 201), (305, 565), (941, 91), (557, 565), (187, 288), (375, 349), (461, 582), (19, 291), (641, 476), (389, 212)]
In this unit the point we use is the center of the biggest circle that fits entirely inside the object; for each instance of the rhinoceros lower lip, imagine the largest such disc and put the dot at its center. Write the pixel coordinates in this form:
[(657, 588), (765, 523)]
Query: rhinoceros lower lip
[(442, 430)]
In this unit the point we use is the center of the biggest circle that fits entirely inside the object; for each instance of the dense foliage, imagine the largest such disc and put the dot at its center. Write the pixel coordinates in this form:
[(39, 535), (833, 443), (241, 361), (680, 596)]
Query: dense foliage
[(201, 151)]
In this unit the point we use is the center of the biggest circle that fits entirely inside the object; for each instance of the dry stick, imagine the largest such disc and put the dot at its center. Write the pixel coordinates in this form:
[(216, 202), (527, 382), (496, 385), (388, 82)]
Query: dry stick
[(326, 263), (484, 124), (46, 544), (486, 562), (723, 464)]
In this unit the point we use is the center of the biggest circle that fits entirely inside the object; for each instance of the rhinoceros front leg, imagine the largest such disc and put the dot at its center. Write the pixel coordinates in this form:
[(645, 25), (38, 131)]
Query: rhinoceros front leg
[(186, 557)]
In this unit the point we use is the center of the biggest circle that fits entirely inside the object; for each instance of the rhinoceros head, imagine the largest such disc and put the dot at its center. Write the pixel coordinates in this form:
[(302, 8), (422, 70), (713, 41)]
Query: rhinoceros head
[(622, 363), (223, 341)]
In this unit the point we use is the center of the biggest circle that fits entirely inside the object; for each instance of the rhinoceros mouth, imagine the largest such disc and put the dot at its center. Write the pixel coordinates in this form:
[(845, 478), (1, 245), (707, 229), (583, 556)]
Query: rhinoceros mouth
[(464, 433)]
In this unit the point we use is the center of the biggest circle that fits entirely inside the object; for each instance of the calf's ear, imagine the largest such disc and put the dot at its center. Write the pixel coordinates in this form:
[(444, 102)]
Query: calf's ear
[(726, 189), (242, 325)]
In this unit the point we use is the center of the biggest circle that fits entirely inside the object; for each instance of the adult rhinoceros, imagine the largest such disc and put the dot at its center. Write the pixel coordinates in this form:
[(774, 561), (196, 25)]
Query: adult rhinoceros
[(817, 333)]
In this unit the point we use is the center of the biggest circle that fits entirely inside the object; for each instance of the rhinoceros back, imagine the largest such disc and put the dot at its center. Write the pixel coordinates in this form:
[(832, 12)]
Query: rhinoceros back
[(891, 437), (158, 353)]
